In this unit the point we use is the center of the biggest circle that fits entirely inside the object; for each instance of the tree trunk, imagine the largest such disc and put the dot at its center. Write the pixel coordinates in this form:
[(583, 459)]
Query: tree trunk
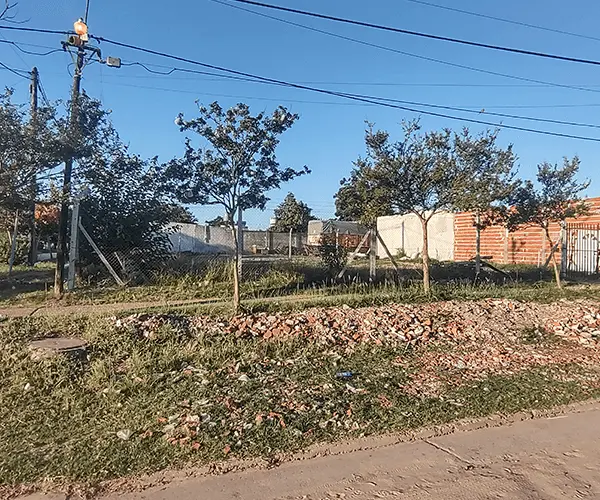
[(554, 262), (425, 256), (477, 245), (236, 271)]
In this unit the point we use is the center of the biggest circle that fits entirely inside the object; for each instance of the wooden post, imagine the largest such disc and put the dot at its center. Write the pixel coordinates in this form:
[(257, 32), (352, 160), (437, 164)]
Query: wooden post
[(33, 88), (13, 245), (373, 255), (290, 245), (564, 249), (240, 240), (387, 252)]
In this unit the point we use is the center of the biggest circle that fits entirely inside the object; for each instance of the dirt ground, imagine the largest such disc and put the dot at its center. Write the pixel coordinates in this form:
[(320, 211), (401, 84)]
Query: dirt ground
[(547, 458)]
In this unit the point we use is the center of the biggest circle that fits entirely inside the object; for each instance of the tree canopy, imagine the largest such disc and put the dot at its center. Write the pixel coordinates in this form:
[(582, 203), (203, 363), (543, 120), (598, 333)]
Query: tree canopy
[(293, 215), (361, 197)]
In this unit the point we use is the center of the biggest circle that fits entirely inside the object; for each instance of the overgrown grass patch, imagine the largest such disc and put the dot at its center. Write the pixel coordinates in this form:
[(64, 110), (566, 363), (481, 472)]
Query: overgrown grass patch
[(186, 397)]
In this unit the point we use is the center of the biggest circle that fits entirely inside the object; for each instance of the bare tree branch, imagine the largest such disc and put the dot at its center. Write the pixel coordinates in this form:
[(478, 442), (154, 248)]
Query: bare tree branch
[(8, 13)]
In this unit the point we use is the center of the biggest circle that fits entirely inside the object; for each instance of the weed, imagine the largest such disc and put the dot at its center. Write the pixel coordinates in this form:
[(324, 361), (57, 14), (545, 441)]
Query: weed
[(537, 335)]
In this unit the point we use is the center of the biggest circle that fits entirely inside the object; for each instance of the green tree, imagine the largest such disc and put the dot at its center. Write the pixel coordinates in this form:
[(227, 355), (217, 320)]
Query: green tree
[(417, 175), (237, 169), (125, 210), (27, 150), (556, 199), (491, 181), (179, 213), (292, 215), (361, 197)]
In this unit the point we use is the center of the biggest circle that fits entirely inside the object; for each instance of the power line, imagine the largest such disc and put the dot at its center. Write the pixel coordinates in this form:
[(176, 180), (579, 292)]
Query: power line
[(483, 111), (355, 97), (504, 20), (435, 106), (409, 54), (465, 108), (429, 36), (184, 70), (19, 56), (232, 96), (36, 30), (29, 52), (14, 71)]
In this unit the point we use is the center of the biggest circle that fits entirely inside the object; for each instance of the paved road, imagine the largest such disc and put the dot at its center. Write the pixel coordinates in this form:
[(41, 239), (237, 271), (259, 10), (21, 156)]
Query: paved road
[(537, 459)]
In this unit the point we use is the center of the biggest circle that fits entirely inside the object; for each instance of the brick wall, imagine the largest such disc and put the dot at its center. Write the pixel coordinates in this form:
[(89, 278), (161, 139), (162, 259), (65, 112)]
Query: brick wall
[(525, 246)]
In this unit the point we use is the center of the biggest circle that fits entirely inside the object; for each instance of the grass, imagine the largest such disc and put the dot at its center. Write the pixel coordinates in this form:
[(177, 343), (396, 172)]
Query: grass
[(190, 278), (60, 418)]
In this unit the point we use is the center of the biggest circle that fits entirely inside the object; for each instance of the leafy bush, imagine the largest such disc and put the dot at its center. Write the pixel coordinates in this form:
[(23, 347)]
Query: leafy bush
[(333, 258)]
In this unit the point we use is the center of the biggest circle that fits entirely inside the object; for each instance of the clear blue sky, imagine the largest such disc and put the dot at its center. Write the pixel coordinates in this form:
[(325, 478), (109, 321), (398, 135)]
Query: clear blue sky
[(328, 136)]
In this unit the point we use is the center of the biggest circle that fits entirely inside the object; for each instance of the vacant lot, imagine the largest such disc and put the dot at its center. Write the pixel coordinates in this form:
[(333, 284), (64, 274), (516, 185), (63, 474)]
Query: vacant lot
[(160, 390)]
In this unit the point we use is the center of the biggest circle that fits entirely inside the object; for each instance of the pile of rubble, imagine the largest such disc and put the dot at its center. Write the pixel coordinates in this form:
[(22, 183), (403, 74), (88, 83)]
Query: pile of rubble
[(389, 324), (582, 325), (481, 321), (149, 325)]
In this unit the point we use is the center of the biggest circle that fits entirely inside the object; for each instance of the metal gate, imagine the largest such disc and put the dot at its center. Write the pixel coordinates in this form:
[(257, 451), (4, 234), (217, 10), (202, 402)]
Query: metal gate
[(581, 250)]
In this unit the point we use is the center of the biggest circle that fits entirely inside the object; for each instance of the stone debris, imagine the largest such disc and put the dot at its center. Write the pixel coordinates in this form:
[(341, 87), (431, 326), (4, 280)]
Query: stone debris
[(388, 324), (481, 321)]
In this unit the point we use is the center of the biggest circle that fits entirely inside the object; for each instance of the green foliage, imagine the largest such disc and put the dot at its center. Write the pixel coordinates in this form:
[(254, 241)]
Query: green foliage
[(178, 213), (492, 178), (27, 149), (238, 169), (333, 258), (125, 206), (240, 166), (21, 249), (293, 215), (557, 198), (126, 212), (362, 197)]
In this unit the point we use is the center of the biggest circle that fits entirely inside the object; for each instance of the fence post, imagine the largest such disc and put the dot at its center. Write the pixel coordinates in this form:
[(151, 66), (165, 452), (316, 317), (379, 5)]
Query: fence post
[(73, 244), (290, 244), (506, 237), (373, 255), (13, 245), (564, 249), (240, 240)]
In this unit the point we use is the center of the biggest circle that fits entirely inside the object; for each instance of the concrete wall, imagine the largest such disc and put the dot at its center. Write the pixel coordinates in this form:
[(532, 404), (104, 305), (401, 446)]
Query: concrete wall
[(404, 232), (201, 239), (196, 238)]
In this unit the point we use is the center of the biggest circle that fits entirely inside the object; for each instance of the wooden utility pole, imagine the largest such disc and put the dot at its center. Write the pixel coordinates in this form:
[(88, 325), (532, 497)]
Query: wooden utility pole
[(33, 89)]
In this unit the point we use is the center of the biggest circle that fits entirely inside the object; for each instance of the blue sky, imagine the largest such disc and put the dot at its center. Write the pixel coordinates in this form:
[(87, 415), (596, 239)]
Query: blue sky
[(329, 135)]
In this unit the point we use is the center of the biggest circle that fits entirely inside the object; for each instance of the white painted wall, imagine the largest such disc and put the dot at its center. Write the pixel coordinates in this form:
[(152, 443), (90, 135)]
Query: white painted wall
[(405, 232)]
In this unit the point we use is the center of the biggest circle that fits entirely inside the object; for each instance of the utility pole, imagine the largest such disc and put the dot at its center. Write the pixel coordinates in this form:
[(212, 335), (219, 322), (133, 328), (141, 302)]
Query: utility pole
[(80, 42), (61, 247), (33, 89)]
